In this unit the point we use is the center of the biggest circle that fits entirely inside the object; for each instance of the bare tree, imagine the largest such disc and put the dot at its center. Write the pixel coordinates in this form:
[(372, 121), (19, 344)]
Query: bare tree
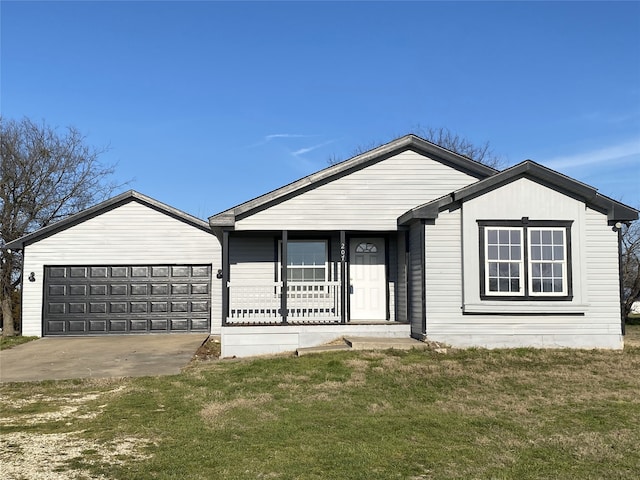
[(630, 266), (445, 138), (455, 142), (45, 176)]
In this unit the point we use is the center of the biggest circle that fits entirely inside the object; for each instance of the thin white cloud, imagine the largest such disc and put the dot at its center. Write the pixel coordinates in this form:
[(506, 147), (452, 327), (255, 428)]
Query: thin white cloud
[(607, 154), (285, 135), (274, 136), (302, 151)]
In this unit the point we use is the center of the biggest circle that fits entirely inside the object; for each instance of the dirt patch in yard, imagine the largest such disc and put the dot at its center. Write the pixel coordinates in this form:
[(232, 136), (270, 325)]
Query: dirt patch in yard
[(53, 456), (209, 350), (49, 456)]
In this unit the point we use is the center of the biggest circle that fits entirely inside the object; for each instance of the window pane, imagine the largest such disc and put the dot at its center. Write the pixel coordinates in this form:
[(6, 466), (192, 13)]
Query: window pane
[(547, 285), (546, 237), (306, 261), (306, 253), (557, 270), (515, 253), (535, 269), (537, 285), (557, 285), (536, 253), (295, 274), (514, 270), (493, 284), (535, 237), (504, 253), (503, 270), (547, 253), (493, 269), (504, 284), (492, 236), (546, 269), (515, 237), (493, 253), (515, 285), (558, 253), (307, 274), (503, 235), (557, 237)]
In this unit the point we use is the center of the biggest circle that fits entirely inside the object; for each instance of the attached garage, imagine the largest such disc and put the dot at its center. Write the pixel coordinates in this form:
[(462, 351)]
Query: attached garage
[(130, 265), (90, 299)]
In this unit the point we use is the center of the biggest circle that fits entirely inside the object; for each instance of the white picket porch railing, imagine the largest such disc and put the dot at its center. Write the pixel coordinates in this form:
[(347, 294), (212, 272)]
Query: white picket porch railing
[(307, 302)]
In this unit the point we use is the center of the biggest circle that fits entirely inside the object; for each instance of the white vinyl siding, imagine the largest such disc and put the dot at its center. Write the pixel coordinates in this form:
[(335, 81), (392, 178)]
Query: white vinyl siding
[(592, 320), (370, 199), (131, 234), (511, 202)]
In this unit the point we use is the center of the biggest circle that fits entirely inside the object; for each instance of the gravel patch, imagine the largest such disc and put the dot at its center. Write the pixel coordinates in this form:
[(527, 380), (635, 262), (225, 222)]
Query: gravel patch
[(47, 456), (37, 456)]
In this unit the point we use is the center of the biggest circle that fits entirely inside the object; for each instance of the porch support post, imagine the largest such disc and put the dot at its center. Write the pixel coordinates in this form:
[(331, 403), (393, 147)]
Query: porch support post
[(225, 276), (283, 276), (343, 277)]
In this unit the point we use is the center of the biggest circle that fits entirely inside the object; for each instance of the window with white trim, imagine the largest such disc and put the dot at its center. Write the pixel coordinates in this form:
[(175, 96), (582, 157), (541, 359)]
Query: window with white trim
[(503, 253), (526, 261), (307, 261)]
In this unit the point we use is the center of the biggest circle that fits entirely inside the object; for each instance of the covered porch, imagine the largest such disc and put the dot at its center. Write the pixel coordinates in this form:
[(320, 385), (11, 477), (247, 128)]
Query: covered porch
[(327, 278)]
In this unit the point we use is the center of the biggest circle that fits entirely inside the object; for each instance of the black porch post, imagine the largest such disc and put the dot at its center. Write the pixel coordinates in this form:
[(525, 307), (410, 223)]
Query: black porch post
[(225, 276), (283, 276), (343, 277)]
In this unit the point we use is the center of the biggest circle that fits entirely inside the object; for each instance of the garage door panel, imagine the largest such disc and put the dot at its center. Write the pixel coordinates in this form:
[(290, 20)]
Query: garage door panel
[(126, 299), (98, 326)]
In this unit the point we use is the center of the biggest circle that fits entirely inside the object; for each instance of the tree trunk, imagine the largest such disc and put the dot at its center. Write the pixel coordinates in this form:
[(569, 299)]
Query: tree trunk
[(7, 317)]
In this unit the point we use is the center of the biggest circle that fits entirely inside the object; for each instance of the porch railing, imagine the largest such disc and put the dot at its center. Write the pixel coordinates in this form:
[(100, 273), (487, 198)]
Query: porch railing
[(307, 302)]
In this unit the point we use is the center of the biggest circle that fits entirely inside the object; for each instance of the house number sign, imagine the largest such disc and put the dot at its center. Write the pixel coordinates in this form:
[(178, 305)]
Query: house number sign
[(343, 252)]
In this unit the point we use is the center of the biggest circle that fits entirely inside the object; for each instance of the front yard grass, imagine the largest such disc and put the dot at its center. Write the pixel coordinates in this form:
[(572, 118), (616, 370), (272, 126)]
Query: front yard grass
[(504, 414)]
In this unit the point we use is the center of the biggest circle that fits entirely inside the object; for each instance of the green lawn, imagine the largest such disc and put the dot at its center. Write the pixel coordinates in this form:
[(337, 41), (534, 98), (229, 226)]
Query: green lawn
[(504, 414)]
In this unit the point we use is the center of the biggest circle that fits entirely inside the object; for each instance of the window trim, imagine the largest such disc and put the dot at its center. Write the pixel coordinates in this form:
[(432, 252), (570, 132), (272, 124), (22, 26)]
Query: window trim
[(327, 269), (525, 225)]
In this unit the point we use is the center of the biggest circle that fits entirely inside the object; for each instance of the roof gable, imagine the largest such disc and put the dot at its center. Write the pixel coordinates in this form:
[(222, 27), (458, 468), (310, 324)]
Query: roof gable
[(419, 145), (529, 169), (103, 207)]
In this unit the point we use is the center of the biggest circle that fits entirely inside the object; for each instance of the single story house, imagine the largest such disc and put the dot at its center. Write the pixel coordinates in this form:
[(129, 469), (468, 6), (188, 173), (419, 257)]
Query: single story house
[(408, 239)]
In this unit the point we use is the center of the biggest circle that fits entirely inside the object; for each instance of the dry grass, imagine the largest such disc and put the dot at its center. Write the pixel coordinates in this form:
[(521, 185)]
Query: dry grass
[(504, 414)]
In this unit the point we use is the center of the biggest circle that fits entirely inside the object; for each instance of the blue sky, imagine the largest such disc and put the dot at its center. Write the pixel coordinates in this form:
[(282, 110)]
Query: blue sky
[(207, 104)]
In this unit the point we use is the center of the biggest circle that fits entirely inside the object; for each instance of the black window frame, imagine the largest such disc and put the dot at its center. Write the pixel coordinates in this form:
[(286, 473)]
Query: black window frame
[(525, 224)]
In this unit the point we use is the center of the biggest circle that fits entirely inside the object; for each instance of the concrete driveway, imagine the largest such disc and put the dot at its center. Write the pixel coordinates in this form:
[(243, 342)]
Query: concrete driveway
[(57, 358)]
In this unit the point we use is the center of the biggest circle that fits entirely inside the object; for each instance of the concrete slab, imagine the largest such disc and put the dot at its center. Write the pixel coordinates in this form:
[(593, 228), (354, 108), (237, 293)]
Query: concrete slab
[(322, 349), (378, 343), (57, 358)]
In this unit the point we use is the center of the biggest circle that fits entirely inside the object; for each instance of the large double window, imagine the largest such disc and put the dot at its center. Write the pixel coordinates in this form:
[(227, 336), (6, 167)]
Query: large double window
[(525, 260), (307, 261)]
